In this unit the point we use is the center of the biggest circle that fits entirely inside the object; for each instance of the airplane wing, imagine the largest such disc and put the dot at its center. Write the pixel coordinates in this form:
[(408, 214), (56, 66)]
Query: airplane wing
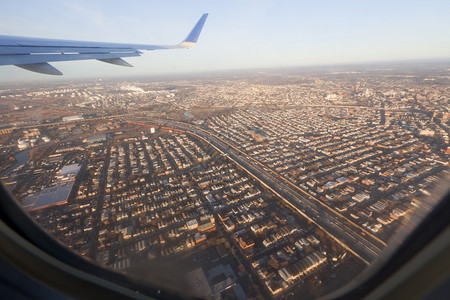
[(34, 54)]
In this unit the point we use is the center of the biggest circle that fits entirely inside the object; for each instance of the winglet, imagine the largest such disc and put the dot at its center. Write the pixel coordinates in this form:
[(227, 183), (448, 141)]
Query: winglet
[(192, 37)]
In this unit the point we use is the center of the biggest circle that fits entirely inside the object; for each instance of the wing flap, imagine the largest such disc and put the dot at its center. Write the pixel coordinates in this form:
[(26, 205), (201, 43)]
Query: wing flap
[(41, 58), (116, 61), (44, 68)]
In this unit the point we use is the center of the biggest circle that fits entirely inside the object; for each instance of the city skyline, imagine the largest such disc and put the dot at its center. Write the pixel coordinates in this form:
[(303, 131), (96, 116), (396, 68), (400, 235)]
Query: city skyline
[(238, 35)]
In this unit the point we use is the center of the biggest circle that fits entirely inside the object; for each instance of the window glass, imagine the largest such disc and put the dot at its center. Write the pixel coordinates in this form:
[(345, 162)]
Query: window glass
[(280, 181)]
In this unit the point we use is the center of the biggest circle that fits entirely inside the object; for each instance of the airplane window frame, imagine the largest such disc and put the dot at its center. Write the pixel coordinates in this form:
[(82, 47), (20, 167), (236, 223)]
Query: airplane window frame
[(17, 221), (26, 236), (34, 251)]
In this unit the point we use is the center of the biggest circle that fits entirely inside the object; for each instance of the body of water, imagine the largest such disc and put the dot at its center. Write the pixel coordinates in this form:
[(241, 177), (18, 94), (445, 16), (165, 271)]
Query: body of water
[(22, 157), (187, 114)]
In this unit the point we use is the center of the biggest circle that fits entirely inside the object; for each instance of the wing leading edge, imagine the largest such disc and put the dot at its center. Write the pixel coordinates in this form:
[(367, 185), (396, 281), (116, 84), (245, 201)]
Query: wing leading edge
[(34, 54)]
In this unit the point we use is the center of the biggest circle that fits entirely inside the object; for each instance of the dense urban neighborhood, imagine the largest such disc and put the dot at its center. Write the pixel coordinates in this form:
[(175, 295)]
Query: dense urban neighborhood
[(266, 184)]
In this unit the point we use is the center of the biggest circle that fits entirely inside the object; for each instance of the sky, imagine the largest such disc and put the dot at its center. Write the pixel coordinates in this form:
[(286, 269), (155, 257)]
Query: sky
[(239, 34)]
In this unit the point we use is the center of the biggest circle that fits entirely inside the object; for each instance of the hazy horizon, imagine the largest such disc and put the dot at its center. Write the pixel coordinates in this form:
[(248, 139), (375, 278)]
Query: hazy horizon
[(187, 75), (237, 35)]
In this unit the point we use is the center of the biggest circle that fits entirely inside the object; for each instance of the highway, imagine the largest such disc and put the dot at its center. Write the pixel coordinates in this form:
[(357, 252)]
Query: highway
[(351, 236)]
